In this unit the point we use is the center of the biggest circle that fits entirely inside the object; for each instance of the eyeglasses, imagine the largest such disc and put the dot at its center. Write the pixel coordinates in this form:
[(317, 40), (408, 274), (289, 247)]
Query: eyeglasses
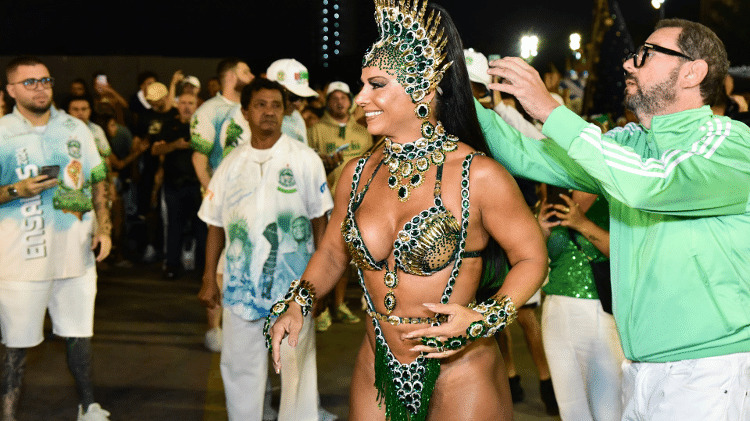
[(31, 83), (639, 57)]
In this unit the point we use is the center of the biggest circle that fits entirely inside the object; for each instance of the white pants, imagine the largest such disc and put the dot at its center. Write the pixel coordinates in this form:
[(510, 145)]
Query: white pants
[(584, 356), (703, 389), (244, 370)]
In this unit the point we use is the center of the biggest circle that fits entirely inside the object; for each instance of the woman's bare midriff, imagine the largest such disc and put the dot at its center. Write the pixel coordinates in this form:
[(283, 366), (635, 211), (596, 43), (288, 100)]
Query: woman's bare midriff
[(472, 384)]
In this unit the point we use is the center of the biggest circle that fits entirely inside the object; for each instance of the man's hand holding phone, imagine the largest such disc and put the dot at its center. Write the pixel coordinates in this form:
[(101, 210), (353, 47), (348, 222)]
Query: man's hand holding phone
[(32, 186)]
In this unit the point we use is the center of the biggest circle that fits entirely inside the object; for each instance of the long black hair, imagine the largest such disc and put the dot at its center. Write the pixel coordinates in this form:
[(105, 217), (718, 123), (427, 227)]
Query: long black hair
[(455, 109), (455, 106)]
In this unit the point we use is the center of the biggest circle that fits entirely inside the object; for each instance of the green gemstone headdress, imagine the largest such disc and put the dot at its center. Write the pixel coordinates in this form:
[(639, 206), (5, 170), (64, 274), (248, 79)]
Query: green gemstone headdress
[(410, 47)]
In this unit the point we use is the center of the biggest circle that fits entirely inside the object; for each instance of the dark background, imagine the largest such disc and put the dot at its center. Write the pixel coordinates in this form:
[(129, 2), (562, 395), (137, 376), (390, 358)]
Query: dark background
[(263, 31)]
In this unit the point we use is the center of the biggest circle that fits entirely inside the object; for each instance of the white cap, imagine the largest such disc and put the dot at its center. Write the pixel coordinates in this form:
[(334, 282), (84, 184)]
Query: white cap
[(338, 86), (293, 75), (477, 65), (193, 81)]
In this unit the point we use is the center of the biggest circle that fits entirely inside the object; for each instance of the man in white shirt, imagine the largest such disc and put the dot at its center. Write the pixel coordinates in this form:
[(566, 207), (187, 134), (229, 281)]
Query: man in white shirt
[(51, 178), (267, 202), (210, 147)]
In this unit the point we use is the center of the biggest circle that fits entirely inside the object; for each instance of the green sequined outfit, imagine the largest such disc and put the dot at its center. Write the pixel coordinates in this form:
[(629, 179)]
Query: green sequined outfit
[(570, 273)]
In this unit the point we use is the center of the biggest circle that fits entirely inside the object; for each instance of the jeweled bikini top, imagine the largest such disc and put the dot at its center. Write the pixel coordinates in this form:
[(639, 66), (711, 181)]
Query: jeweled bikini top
[(428, 242)]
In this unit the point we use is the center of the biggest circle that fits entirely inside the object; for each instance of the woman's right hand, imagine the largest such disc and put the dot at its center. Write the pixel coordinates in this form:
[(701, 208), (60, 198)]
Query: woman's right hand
[(288, 324), (545, 212)]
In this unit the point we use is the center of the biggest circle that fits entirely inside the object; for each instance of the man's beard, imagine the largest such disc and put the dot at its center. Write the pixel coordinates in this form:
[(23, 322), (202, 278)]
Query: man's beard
[(654, 99), (34, 108)]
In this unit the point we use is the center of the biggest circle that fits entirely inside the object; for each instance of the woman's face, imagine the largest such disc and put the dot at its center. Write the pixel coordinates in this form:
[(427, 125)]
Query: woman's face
[(389, 110), (112, 127)]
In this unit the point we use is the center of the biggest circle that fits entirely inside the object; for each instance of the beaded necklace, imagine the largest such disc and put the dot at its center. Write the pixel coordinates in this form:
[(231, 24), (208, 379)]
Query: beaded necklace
[(408, 162)]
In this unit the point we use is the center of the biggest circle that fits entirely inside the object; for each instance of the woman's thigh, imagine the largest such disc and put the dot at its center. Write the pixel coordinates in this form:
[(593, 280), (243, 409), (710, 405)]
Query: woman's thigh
[(473, 386), (363, 397)]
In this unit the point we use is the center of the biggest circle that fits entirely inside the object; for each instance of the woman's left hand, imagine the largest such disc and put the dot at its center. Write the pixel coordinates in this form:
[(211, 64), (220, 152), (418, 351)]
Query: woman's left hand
[(459, 319)]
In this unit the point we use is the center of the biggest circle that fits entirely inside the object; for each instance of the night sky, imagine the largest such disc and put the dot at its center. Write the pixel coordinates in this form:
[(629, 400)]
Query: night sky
[(261, 32)]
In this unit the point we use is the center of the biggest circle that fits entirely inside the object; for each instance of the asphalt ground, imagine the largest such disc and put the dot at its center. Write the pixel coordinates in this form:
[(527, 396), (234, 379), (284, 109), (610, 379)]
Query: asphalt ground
[(149, 362)]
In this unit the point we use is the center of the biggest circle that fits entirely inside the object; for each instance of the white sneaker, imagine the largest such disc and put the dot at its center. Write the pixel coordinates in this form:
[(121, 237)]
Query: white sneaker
[(213, 339), (94, 413), (324, 415), (149, 256)]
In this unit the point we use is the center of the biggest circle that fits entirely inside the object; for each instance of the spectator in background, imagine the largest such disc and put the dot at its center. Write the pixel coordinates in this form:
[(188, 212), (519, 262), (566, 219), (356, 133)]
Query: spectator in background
[(209, 148), (182, 192), (138, 103), (78, 88), (294, 76), (149, 131), (311, 115), (214, 86), (124, 152), (80, 108), (742, 105), (580, 338), (191, 85), (104, 93)]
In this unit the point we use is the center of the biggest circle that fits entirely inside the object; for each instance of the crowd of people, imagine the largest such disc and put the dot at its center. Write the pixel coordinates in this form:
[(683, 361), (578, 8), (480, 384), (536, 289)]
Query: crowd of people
[(631, 234)]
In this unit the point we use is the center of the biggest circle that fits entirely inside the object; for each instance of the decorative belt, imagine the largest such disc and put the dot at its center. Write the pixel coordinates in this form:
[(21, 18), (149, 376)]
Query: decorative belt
[(395, 320)]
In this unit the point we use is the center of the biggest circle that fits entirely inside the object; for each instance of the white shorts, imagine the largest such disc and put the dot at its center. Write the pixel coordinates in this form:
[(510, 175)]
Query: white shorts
[(70, 302)]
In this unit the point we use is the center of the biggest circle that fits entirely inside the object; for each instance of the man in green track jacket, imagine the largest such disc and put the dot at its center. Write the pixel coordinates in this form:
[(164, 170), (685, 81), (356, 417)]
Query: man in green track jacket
[(678, 186)]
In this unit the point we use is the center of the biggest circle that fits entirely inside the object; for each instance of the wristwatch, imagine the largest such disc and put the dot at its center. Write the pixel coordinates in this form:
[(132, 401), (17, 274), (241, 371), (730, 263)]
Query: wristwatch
[(12, 191)]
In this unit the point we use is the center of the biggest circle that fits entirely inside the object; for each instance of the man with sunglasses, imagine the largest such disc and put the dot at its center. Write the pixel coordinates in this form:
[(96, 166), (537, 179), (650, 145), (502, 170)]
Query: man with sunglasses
[(678, 186), (51, 178)]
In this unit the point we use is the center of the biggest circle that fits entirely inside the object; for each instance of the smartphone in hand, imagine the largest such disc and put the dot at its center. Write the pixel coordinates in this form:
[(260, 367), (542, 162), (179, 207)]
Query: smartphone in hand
[(51, 171), (341, 148)]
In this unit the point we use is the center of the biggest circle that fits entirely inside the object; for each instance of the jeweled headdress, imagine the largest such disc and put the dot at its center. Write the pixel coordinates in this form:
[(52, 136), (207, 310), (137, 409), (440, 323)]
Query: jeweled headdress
[(410, 47)]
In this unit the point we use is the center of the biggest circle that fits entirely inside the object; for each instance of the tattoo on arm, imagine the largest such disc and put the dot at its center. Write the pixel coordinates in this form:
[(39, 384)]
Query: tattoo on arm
[(101, 200)]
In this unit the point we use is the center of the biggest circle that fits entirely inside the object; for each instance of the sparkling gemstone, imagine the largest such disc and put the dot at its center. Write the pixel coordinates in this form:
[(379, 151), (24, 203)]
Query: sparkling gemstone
[(389, 302)]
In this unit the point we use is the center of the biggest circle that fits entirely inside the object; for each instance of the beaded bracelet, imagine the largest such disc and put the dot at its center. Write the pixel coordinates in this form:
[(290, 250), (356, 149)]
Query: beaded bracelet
[(496, 315), (301, 292), (451, 344)]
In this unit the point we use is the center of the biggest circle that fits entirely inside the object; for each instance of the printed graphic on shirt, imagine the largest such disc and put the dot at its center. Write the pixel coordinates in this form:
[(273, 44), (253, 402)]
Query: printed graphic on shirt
[(199, 143), (287, 184), (234, 131), (70, 195), (284, 251)]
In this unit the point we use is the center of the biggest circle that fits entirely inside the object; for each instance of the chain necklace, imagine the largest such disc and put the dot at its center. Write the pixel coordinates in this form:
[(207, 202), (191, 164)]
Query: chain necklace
[(408, 162)]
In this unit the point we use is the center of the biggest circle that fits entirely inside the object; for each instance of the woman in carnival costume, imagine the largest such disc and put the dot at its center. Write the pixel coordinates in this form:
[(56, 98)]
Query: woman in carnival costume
[(415, 219)]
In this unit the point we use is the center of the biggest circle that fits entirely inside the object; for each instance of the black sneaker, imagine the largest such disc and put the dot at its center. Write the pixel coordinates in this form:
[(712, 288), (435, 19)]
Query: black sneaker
[(516, 391), (547, 393)]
